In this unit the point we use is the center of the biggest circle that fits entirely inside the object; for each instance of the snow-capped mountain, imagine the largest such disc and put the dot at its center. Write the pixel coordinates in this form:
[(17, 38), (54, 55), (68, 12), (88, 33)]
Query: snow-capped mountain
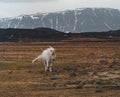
[(78, 20)]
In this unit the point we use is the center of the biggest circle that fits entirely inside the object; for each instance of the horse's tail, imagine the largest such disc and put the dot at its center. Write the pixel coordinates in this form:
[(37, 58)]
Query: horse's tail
[(33, 61)]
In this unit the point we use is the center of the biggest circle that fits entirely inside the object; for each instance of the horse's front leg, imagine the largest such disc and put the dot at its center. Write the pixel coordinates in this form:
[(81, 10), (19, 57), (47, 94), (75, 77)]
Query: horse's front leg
[(50, 68)]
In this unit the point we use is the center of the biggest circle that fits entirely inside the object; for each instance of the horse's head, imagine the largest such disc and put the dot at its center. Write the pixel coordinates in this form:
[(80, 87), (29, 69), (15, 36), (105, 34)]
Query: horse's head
[(52, 51)]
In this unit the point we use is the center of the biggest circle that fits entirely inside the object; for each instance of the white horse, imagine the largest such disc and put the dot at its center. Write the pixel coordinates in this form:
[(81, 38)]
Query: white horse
[(47, 57)]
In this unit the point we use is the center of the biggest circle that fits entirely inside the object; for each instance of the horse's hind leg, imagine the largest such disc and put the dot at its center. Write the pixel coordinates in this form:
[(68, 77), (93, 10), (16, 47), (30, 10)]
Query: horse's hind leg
[(45, 64)]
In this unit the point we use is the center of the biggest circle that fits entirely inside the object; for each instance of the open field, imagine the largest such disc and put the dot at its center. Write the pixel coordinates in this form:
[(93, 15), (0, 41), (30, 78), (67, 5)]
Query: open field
[(81, 69)]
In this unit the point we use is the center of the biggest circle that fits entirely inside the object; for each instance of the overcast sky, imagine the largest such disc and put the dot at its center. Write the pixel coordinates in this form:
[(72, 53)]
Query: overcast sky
[(12, 8)]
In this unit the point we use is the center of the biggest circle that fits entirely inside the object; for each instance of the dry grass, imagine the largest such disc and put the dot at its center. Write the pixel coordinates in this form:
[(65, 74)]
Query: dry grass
[(82, 69)]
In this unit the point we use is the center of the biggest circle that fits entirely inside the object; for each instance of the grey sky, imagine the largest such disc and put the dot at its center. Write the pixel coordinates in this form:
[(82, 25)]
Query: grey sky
[(11, 8), (11, 1)]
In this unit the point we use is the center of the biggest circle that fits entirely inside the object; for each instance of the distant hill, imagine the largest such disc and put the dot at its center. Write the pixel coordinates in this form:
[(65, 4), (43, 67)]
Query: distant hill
[(39, 34), (106, 34), (47, 34), (75, 21)]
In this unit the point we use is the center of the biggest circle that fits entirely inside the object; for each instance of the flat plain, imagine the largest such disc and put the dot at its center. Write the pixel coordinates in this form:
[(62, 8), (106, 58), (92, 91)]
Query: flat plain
[(84, 67)]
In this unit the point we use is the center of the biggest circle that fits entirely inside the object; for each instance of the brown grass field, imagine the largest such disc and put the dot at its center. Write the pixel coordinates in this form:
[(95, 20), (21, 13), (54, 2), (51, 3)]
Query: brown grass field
[(81, 69)]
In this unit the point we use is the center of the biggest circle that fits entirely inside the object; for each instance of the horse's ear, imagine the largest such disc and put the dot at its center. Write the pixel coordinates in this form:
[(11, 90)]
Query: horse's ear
[(50, 46)]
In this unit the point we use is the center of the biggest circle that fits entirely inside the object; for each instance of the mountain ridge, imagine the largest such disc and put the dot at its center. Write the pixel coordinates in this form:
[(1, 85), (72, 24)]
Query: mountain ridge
[(75, 21)]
